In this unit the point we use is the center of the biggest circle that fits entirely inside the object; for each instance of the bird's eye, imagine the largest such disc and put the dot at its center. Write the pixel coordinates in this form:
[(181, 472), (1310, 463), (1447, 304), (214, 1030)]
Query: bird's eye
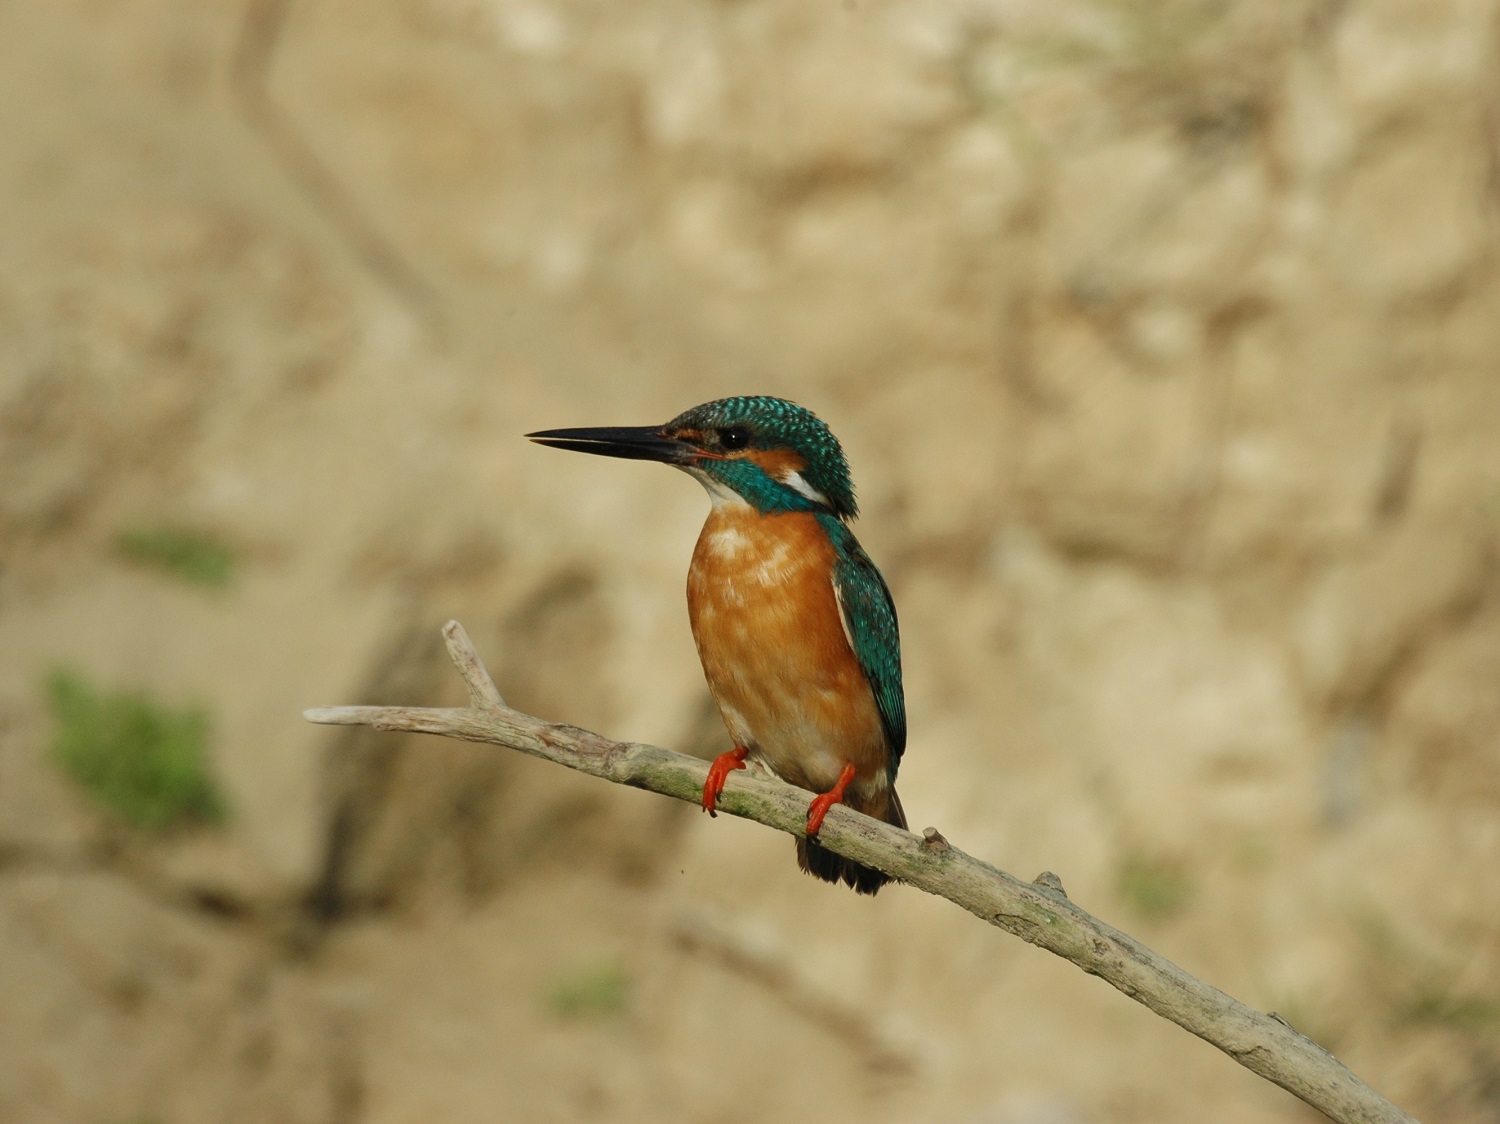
[(734, 437)]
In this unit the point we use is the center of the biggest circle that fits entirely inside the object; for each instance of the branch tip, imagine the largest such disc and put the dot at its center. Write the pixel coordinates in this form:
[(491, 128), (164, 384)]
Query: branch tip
[(483, 694), (333, 715)]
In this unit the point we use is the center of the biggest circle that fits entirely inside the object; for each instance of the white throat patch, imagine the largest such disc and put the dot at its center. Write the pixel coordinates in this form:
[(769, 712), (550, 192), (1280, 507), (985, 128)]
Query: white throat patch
[(722, 495)]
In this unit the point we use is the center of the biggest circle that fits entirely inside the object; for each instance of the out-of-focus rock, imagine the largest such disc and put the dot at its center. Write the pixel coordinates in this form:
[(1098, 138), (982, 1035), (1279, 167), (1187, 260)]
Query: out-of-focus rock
[(93, 960), (1369, 251), (851, 93), (1107, 455), (1364, 616), (1444, 735), (1160, 699)]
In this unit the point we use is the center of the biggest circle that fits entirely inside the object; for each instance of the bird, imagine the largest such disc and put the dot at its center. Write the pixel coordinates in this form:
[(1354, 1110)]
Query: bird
[(794, 625)]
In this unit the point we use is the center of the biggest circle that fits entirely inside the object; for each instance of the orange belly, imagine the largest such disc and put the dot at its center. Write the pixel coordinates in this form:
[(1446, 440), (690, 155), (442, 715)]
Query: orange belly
[(776, 656)]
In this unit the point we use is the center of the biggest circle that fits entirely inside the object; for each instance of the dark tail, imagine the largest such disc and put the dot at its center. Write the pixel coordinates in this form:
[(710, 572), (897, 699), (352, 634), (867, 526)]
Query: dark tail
[(822, 863)]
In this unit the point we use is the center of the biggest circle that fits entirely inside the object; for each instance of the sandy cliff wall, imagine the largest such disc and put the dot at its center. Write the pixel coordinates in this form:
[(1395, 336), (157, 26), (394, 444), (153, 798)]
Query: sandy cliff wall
[(1163, 342)]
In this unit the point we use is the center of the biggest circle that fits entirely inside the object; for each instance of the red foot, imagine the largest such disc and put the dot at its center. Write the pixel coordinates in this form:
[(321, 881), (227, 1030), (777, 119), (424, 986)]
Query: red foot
[(820, 805), (718, 773)]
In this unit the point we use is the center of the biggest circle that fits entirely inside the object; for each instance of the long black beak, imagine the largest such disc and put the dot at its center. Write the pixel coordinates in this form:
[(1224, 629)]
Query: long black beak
[(640, 443)]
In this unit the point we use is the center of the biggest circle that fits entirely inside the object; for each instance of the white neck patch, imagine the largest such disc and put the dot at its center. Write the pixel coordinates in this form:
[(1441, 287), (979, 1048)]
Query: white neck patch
[(796, 483)]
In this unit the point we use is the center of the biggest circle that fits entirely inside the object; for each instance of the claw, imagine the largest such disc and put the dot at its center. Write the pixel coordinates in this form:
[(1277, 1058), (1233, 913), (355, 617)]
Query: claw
[(718, 773), (820, 805)]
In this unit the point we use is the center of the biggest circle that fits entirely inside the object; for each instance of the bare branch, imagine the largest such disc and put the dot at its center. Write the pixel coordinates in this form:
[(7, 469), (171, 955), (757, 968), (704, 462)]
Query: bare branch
[(1037, 912)]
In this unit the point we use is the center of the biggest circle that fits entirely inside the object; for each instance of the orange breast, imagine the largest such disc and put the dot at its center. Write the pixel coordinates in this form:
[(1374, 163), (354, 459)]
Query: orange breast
[(774, 650)]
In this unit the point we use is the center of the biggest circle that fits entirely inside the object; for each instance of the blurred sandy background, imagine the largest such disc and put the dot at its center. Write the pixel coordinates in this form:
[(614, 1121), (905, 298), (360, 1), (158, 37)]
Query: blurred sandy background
[(1163, 340)]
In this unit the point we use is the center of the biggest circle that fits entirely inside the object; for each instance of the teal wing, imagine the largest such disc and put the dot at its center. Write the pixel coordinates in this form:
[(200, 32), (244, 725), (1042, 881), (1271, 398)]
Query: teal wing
[(870, 620)]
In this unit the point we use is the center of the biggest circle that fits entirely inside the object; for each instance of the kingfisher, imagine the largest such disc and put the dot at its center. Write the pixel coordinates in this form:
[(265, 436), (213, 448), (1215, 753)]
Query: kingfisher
[(794, 624)]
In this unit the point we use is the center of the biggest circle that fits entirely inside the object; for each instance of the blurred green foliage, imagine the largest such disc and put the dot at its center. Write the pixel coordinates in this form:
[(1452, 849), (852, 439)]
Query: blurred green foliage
[(593, 992), (146, 762), (1154, 888), (191, 554), (1420, 987), (1439, 1003)]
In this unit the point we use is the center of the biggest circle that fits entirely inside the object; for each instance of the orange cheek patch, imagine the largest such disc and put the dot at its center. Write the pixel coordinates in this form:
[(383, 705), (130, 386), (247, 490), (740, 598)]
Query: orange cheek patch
[(776, 463)]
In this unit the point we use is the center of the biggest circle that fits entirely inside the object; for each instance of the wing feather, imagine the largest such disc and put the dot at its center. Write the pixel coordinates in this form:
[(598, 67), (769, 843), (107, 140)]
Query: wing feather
[(869, 618)]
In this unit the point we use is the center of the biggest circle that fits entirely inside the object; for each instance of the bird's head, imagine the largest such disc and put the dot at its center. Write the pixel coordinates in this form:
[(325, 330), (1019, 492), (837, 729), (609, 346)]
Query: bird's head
[(767, 452)]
